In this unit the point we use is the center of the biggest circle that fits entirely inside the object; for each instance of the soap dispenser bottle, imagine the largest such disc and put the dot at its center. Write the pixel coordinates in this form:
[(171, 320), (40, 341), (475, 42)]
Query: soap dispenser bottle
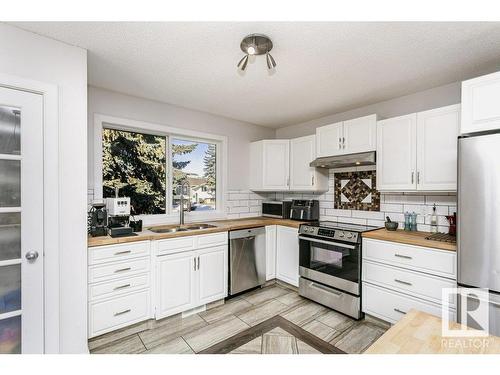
[(434, 220)]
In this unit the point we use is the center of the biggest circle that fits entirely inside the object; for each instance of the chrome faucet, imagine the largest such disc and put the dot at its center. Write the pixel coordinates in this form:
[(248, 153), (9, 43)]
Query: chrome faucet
[(181, 205)]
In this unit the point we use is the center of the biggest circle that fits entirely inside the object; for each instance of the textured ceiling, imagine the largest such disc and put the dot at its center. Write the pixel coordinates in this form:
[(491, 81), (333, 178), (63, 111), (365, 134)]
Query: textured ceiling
[(323, 68)]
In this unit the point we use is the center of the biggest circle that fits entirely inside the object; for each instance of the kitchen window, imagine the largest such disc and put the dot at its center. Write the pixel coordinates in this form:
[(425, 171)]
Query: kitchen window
[(148, 163)]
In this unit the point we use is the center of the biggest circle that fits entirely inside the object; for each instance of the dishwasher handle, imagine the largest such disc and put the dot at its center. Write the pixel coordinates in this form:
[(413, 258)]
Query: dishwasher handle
[(247, 233)]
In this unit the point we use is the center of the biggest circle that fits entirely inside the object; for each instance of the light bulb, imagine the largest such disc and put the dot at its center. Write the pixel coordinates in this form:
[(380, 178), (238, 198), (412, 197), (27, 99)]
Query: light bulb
[(251, 50)]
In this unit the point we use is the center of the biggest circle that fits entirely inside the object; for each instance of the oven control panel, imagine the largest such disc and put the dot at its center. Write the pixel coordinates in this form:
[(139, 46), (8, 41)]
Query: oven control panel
[(346, 236), (328, 233)]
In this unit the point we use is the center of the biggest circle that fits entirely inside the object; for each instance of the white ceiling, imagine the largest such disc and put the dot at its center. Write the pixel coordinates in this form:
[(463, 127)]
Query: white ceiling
[(323, 68)]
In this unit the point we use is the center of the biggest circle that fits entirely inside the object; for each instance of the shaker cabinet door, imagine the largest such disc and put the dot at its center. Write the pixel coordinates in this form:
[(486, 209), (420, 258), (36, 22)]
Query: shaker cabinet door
[(396, 153), (329, 140)]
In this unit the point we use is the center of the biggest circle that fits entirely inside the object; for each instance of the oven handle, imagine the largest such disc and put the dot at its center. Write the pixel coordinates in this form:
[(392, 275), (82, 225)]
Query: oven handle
[(326, 242)]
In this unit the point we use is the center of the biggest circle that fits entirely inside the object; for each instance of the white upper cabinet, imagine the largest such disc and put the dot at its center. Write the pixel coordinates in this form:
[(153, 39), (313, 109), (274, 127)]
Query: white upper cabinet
[(302, 176), (437, 132), (283, 164), (396, 153), (360, 135), (348, 137), (481, 104), (329, 140), (269, 165), (418, 152)]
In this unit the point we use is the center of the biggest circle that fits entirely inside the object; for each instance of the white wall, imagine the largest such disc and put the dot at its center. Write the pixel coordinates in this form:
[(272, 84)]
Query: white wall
[(33, 57), (420, 101), (239, 134)]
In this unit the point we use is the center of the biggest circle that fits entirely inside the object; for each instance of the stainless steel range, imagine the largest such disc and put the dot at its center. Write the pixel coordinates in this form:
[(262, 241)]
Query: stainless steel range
[(330, 265)]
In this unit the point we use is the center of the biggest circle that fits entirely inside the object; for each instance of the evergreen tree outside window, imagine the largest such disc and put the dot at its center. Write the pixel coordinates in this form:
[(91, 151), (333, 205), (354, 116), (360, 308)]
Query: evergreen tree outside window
[(195, 162), (136, 164)]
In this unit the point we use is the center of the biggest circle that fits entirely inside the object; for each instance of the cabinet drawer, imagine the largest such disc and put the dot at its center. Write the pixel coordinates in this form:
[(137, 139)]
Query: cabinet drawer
[(392, 306), (118, 312), (117, 287), (103, 254), (415, 283), (118, 270), (175, 245), (438, 262), (211, 240)]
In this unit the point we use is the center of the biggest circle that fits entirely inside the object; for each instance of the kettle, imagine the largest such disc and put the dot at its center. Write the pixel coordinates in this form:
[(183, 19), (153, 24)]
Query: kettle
[(452, 219)]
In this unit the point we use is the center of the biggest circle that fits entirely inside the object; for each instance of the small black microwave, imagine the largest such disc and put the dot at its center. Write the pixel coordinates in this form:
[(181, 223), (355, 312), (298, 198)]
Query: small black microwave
[(276, 209)]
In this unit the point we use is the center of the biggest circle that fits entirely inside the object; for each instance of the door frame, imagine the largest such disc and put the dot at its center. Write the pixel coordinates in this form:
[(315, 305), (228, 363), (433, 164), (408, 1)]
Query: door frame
[(51, 183)]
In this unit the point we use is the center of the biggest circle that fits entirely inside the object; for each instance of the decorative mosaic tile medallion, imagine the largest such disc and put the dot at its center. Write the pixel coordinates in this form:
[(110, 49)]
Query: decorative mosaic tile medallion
[(356, 191)]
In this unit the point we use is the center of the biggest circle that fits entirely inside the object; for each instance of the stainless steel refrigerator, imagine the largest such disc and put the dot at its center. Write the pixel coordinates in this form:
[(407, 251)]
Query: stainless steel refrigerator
[(479, 217)]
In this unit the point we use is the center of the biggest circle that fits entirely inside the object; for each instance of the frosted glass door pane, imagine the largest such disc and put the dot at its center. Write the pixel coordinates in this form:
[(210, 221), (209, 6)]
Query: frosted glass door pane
[(10, 134), (10, 335), (10, 183), (10, 236), (10, 288)]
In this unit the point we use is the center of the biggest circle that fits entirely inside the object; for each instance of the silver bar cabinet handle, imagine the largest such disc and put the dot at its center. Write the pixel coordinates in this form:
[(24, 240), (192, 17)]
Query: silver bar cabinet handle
[(122, 312), (122, 286), (418, 178), (123, 252), (412, 177), (400, 311), (123, 269), (403, 256), (403, 282)]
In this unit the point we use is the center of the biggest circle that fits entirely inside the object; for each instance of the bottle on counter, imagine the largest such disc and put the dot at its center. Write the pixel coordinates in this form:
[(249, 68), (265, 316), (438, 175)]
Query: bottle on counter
[(407, 221), (434, 220), (413, 225)]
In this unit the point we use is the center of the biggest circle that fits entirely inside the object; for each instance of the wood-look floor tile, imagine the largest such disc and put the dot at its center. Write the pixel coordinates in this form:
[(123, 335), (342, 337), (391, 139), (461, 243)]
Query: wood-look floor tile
[(171, 329), (252, 347), (277, 344), (291, 299), (265, 294), (278, 331), (262, 312), (358, 338), (232, 307), (209, 335), (320, 330), (175, 346), (336, 320), (303, 348), (304, 313), (128, 345), (108, 338)]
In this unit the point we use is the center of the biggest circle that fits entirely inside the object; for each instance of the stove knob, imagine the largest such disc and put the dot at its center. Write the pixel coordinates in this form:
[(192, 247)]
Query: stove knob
[(349, 235), (341, 234)]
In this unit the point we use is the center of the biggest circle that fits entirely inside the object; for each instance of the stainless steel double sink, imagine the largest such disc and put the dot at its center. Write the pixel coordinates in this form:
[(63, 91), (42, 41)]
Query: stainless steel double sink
[(179, 228)]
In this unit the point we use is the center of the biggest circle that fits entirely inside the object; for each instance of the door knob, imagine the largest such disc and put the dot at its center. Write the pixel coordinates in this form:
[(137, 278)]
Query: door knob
[(31, 255)]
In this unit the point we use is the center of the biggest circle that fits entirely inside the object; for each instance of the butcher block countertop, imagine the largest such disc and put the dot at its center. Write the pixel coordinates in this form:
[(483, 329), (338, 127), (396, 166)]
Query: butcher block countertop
[(409, 238), (420, 333), (220, 226)]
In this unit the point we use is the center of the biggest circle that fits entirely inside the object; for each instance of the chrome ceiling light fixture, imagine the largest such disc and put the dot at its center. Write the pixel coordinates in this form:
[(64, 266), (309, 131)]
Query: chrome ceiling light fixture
[(256, 44)]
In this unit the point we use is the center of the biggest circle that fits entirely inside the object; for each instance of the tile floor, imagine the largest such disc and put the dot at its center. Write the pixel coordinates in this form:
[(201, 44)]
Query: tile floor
[(193, 334)]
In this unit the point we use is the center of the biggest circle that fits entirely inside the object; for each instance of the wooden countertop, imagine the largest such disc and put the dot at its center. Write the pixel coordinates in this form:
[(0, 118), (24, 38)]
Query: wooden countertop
[(220, 226), (420, 333), (409, 238)]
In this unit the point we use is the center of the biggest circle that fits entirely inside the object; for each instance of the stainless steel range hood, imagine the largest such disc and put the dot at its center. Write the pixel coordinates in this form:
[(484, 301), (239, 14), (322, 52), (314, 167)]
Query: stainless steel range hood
[(343, 161)]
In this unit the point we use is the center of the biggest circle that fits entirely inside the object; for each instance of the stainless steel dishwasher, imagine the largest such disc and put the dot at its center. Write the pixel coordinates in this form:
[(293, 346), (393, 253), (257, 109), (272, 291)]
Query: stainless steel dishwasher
[(247, 259)]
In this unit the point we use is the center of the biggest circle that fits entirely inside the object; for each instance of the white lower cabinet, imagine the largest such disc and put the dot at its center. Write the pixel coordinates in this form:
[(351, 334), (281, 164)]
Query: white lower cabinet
[(398, 277), (190, 278), (175, 283), (212, 271), (119, 286), (270, 252), (287, 255)]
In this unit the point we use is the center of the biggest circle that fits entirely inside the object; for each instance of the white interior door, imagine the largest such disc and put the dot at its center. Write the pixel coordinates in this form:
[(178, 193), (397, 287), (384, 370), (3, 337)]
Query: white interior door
[(21, 222)]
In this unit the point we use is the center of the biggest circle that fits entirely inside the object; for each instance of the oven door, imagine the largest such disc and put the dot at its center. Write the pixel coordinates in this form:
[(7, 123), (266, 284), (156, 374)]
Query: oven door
[(331, 263)]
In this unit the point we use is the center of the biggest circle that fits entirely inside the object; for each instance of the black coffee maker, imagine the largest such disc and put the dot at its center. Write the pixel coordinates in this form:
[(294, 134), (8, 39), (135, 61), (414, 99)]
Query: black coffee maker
[(97, 220)]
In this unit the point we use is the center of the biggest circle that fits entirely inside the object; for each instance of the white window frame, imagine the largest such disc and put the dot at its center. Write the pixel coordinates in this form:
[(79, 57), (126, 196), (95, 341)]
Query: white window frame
[(111, 122)]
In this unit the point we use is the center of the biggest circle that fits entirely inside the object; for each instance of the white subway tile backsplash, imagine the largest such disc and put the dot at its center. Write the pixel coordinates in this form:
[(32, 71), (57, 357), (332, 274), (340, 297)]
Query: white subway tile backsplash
[(337, 212), (388, 207), (372, 215), (441, 200)]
